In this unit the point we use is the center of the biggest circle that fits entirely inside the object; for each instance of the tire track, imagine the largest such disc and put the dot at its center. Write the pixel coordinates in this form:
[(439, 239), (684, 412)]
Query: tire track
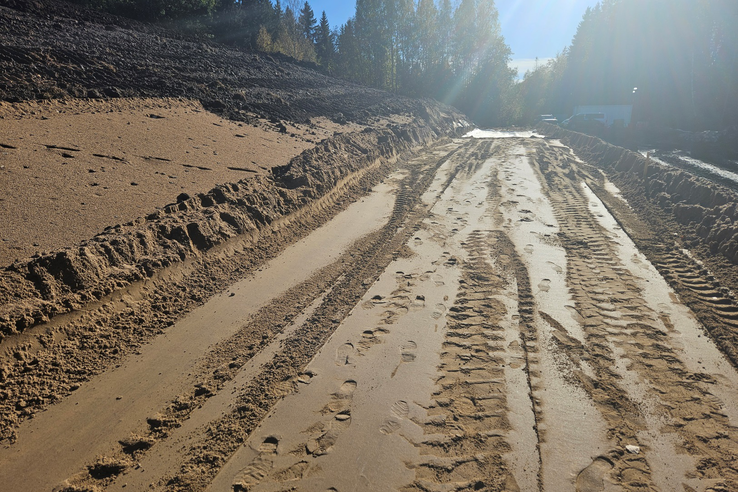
[(468, 426), (368, 259), (641, 387), (713, 304)]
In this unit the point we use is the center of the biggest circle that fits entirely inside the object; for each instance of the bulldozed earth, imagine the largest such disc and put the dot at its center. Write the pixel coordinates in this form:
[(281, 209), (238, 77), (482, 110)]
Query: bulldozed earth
[(237, 274)]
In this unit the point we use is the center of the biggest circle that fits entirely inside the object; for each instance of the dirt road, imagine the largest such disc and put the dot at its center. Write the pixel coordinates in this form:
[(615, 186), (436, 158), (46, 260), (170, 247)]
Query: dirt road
[(480, 321)]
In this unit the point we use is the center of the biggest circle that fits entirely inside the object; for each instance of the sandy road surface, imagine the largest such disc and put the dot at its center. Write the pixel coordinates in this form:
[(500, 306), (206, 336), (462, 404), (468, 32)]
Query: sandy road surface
[(494, 329)]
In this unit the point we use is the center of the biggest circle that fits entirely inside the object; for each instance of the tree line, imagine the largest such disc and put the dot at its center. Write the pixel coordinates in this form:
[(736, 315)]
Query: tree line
[(422, 48), (676, 61)]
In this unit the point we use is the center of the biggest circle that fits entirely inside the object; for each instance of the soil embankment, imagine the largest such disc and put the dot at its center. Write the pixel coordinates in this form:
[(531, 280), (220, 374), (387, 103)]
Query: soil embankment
[(73, 167), (267, 150), (707, 208)]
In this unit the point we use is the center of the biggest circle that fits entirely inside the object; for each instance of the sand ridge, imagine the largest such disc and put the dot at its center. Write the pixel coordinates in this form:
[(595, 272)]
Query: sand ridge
[(70, 168)]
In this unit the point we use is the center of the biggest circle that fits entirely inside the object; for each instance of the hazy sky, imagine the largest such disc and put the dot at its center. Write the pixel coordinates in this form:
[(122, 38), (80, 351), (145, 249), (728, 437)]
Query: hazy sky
[(532, 28)]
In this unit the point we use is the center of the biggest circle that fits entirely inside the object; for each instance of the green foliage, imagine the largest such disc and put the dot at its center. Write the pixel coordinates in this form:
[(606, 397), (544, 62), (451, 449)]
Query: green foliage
[(291, 40), (429, 50), (681, 55), (348, 57), (307, 22), (325, 42)]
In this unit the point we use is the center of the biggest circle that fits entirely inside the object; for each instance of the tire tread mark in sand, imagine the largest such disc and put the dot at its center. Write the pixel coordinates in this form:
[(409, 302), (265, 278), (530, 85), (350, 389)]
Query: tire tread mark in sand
[(711, 303), (584, 243), (371, 256), (159, 299), (618, 326), (467, 420)]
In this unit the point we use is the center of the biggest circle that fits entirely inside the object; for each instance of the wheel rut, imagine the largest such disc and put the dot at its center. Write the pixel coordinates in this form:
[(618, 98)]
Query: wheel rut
[(641, 385), (500, 332), (470, 436)]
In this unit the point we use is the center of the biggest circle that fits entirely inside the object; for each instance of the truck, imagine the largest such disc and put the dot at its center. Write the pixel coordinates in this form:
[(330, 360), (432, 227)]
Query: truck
[(615, 114)]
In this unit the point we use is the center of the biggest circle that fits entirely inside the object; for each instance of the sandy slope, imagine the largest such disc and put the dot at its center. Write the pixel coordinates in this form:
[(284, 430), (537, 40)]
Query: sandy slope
[(72, 168)]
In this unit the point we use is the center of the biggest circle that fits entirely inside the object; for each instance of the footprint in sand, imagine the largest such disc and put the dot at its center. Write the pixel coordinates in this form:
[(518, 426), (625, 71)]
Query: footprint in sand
[(450, 262), (400, 409), (346, 390), (418, 303), (407, 354), (294, 472), (528, 248), (369, 338), (374, 301), (555, 267), (575, 314), (425, 275), (325, 434), (389, 427), (407, 351), (344, 353), (258, 468), (544, 285), (592, 478), (438, 311), (306, 377), (438, 280)]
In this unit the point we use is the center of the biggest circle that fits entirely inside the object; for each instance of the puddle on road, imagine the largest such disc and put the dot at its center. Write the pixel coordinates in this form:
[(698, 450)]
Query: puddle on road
[(479, 133), (696, 166), (613, 190)]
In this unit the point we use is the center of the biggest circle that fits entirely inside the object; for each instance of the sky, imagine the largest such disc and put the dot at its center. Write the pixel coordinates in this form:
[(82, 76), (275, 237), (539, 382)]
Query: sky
[(532, 28)]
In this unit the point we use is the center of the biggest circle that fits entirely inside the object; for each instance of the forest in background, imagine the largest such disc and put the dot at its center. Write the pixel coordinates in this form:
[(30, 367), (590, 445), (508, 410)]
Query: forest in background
[(676, 61)]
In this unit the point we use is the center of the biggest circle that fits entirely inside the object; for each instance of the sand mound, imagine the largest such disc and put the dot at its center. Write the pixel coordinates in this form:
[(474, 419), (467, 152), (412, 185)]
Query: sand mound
[(707, 208), (73, 167), (32, 292)]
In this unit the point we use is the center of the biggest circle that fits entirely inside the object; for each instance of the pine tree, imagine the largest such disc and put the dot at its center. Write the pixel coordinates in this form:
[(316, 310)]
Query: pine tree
[(307, 22), (349, 61), (373, 37), (427, 34), (324, 44)]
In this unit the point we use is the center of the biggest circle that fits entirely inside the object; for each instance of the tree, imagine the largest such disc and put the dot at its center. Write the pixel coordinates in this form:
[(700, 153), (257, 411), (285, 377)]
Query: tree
[(349, 62), (427, 29), (290, 39), (307, 22), (372, 34), (240, 22), (324, 43)]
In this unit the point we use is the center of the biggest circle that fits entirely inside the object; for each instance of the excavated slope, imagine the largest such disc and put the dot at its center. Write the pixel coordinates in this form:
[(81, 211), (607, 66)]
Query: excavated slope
[(707, 208), (34, 291), (58, 50)]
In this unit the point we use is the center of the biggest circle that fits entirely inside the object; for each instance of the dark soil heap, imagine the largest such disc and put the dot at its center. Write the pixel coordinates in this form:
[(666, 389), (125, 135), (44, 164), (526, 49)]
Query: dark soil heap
[(52, 49), (56, 50)]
